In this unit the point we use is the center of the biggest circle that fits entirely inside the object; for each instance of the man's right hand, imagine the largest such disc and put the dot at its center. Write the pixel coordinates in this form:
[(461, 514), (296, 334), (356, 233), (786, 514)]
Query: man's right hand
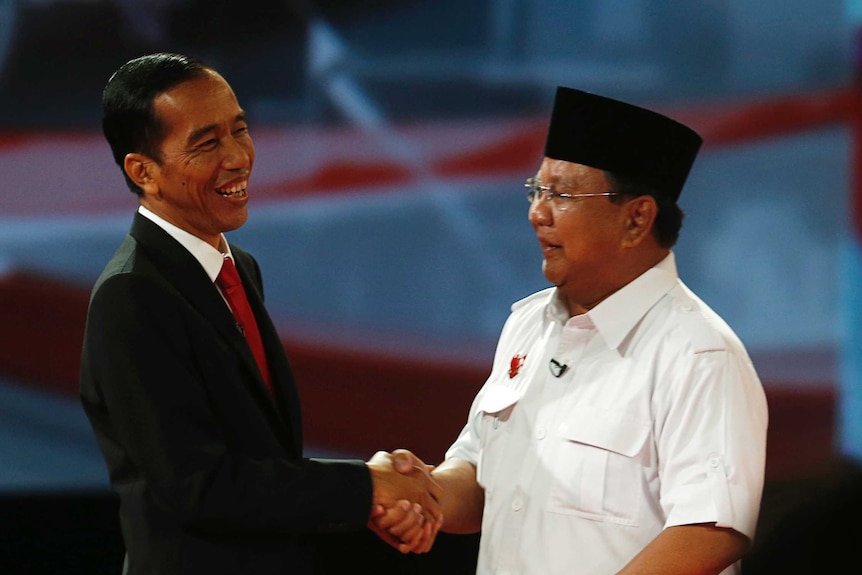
[(406, 499)]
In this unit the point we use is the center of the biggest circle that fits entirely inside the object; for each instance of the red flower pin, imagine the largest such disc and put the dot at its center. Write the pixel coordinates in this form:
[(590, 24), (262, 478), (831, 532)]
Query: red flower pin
[(515, 365)]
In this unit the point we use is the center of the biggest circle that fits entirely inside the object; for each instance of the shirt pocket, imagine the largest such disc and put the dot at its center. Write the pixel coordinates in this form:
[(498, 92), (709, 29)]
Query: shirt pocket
[(495, 413), (598, 466)]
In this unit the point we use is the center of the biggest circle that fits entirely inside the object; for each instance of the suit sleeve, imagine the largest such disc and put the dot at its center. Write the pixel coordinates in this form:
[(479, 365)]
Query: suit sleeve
[(167, 402)]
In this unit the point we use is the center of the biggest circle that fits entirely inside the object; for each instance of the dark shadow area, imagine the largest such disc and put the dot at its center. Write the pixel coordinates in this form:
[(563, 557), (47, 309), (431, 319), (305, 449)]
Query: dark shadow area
[(79, 533), (363, 551), (62, 53), (59, 60), (809, 525), (68, 533)]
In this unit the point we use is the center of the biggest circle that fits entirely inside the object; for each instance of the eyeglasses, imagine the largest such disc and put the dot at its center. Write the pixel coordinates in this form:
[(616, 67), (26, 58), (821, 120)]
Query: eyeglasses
[(536, 191)]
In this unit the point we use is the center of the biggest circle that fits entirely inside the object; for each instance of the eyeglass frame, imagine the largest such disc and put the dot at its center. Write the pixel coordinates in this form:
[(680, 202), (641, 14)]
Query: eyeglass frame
[(536, 191)]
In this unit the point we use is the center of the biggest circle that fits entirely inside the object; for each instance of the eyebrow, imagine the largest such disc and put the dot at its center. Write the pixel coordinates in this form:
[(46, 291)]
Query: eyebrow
[(197, 134), (555, 181), (562, 181)]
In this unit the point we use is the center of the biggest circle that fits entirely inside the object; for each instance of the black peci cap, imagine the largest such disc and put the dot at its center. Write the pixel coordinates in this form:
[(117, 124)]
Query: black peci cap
[(621, 138)]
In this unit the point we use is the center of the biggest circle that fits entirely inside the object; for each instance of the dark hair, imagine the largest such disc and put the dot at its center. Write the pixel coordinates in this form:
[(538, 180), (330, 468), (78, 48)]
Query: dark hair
[(668, 220), (128, 119)]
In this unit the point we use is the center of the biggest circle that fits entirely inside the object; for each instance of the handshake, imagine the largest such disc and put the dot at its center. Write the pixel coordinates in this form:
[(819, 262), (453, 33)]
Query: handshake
[(407, 511)]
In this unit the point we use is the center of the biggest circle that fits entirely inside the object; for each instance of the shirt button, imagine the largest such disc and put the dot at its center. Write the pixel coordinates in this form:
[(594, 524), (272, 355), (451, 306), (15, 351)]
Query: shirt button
[(714, 461), (517, 504), (540, 433)]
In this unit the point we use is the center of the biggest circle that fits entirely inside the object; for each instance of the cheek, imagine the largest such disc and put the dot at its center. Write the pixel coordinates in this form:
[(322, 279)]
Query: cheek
[(588, 242)]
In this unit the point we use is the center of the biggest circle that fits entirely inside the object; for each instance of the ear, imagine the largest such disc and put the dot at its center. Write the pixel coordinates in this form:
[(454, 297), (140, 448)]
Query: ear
[(640, 214), (140, 170)]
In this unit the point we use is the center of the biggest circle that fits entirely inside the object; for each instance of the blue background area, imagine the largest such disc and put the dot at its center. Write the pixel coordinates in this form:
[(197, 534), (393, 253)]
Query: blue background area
[(435, 265)]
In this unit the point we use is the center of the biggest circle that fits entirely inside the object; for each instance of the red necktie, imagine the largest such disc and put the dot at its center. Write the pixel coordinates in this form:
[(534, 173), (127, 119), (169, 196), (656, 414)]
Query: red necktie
[(231, 287)]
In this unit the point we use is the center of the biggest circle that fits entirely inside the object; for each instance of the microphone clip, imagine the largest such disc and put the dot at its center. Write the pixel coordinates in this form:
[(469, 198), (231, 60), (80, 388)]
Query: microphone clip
[(557, 368)]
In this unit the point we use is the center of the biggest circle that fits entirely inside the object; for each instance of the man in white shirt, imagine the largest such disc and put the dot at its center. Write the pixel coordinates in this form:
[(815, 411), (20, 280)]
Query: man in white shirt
[(623, 426)]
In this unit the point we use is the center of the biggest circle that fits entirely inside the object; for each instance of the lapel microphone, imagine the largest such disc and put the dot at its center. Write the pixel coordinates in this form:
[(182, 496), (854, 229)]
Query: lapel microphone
[(557, 368)]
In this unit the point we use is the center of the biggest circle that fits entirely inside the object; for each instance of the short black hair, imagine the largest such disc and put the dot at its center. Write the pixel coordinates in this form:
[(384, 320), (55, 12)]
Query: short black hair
[(128, 119), (668, 220)]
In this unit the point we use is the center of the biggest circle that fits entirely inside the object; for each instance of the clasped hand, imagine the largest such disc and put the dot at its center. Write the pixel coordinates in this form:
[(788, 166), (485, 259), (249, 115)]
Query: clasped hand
[(406, 511)]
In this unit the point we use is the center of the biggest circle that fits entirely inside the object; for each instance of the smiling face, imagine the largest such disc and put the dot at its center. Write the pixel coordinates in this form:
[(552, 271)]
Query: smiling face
[(585, 247), (199, 183)]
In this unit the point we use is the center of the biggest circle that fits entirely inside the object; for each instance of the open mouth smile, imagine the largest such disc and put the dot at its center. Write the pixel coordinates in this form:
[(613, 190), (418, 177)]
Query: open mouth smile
[(236, 190)]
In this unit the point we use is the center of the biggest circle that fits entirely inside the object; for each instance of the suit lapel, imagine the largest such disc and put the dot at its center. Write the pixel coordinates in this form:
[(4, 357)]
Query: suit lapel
[(185, 273)]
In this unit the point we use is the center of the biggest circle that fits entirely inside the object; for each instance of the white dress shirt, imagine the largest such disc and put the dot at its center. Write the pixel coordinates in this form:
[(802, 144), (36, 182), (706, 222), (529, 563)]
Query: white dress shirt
[(657, 419), (210, 258)]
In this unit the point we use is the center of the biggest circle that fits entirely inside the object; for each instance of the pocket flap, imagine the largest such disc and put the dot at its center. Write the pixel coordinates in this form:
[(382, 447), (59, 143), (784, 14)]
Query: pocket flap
[(496, 399), (608, 429)]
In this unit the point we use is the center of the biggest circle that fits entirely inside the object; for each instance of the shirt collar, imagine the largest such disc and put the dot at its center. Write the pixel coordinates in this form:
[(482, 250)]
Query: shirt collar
[(617, 315), (210, 258)]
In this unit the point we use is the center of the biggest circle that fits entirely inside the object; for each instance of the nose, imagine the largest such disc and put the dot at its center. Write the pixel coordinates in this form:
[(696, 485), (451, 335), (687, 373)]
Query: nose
[(540, 213), (238, 154)]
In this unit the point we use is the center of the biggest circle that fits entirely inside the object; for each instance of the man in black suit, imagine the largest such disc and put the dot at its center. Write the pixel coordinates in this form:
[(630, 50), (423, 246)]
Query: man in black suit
[(203, 439)]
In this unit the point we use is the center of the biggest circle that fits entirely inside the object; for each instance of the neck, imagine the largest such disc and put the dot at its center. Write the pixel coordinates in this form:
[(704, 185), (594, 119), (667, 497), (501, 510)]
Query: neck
[(628, 272)]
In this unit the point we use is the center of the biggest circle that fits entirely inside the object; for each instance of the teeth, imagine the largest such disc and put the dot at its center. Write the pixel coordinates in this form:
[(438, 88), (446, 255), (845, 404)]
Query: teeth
[(233, 191)]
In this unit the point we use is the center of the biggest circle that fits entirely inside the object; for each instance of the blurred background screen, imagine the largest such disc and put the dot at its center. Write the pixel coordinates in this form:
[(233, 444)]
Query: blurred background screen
[(387, 209)]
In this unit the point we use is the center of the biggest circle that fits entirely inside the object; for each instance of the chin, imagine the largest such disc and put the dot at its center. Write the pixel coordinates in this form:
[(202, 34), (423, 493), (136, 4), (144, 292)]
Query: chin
[(236, 223), (551, 277)]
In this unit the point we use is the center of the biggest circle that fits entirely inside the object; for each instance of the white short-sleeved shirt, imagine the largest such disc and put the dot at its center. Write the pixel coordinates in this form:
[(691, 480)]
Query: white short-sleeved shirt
[(658, 419)]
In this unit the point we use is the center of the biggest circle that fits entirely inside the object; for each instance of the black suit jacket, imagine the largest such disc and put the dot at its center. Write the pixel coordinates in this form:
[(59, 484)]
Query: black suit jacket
[(207, 464)]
